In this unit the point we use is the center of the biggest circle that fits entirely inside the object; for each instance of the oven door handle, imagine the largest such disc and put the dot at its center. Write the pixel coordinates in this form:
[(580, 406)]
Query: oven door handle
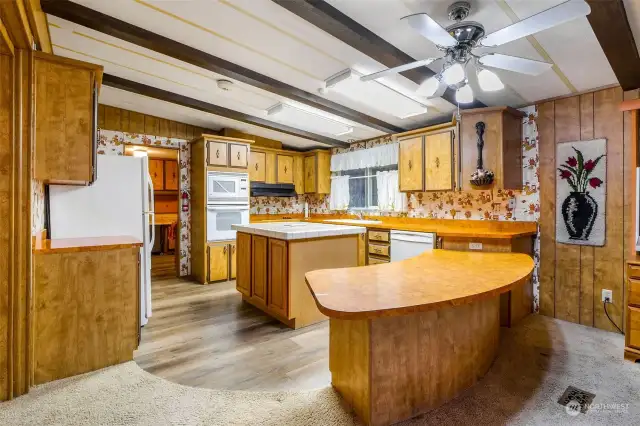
[(227, 208)]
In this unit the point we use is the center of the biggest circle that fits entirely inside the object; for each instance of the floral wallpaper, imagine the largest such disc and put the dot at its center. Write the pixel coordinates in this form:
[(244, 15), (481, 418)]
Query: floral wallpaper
[(113, 142), (318, 204)]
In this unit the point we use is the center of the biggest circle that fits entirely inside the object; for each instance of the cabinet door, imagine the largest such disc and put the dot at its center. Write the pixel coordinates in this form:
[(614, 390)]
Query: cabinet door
[(323, 173), (310, 174), (271, 167), (217, 153), (243, 277), (362, 249), (298, 174), (633, 331), (238, 155), (278, 277), (284, 169), (257, 168), (438, 161), (156, 170), (171, 176), (410, 164), (218, 262), (233, 261), (260, 269)]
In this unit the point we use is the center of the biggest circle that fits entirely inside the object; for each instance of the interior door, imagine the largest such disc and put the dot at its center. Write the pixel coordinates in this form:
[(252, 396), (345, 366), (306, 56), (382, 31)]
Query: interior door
[(411, 164), (156, 171), (284, 169), (238, 155), (257, 167), (171, 176), (438, 160)]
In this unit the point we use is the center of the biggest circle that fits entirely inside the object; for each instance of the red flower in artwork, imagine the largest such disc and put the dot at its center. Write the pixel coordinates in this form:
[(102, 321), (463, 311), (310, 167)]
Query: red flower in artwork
[(565, 174), (595, 182), (572, 161), (589, 165)]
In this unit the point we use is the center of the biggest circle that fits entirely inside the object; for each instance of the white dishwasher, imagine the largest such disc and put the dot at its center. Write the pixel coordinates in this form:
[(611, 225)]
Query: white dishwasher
[(406, 244)]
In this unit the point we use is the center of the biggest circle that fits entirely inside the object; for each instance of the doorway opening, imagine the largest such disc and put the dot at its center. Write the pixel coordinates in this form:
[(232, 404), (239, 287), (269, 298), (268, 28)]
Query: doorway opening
[(164, 170)]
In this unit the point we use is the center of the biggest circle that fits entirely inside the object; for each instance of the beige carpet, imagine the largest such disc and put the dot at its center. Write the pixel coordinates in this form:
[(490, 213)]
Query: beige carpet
[(538, 360)]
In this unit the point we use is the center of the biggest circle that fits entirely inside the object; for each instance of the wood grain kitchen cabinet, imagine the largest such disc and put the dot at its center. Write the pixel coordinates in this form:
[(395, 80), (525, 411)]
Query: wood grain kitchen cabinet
[(259, 279), (438, 162), (298, 174), (317, 172), (502, 152), (633, 330), (271, 167), (284, 168), (233, 261), (171, 176), (410, 167), (278, 294), (426, 161), (156, 170), (238, 155), (66, 109), (257, 166), (218, 262), (217, 153), (243, 259)]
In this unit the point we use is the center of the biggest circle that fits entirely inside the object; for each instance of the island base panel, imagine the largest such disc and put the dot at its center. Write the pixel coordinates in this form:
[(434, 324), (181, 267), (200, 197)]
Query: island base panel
[(393, 368)]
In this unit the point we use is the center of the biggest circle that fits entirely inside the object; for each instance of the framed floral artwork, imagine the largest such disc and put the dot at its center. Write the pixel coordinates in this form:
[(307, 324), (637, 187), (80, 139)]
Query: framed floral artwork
[(581, 189)]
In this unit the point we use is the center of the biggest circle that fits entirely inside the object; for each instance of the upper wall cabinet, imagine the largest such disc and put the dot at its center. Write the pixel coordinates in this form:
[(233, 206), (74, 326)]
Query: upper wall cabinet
[(426, 160), (502, 151), (317, 172), (66, 108), (223, 153)]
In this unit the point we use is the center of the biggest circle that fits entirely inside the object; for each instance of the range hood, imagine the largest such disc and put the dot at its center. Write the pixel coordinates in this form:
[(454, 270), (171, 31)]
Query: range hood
[(273, 189)]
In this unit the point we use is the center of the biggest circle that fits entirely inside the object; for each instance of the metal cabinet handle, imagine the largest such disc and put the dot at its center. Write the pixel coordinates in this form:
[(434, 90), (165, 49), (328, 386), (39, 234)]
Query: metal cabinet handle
[(233, 249), (285, 169), (256, 167), (437, 162), (238, 155), (410, 165), (217, 153), (224, 250)]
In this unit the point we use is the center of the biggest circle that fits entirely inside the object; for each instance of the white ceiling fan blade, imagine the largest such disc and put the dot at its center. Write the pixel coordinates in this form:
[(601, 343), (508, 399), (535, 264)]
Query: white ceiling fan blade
[(397, 69), (557, 15), (513, 63), (430, 29)]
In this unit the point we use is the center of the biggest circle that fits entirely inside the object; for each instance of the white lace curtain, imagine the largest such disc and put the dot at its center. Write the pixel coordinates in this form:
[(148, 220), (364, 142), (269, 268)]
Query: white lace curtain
[(379, 156), (389, 196), (339, 199)]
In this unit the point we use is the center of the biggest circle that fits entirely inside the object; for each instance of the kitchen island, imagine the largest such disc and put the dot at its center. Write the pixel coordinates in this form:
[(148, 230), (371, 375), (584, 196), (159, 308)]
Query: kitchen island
[(408, 336), (272, 259)]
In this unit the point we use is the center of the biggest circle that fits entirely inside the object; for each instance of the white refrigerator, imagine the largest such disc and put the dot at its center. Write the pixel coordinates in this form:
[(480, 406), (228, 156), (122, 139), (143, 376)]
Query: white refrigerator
[(119, 203)]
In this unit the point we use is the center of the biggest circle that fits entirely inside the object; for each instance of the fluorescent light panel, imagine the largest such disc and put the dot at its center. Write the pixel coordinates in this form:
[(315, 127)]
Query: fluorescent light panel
[(306, 120), (374, 95)]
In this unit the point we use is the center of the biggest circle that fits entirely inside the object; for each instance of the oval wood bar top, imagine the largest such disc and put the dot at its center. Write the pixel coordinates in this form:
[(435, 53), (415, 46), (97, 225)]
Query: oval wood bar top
[(67, 245), (432, 280)]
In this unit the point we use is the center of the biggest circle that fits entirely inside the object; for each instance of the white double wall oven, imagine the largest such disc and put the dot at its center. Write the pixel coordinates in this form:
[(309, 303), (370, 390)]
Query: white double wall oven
[(227, 204)]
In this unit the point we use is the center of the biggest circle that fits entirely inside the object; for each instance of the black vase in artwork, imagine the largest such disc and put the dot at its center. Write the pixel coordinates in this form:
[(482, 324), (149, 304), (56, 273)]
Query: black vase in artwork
[(579, 211)]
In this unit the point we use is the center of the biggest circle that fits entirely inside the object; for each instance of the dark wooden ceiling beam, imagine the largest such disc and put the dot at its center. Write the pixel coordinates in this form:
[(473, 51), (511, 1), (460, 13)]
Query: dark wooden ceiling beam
[(331, 20), (185, 101), (106, 24), (609, 22)]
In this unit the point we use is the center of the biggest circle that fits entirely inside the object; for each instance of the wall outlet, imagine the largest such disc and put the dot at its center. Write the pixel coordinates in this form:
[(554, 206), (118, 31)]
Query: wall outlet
[(475, 246), (512, 203), (607, 295)]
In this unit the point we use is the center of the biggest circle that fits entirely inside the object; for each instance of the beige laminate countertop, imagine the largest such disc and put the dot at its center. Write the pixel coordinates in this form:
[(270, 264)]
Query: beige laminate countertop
[(432, 280)]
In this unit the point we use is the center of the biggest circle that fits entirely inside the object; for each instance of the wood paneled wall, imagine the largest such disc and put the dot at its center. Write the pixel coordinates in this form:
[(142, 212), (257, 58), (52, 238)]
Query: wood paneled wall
[(112, 118), (572, 277)]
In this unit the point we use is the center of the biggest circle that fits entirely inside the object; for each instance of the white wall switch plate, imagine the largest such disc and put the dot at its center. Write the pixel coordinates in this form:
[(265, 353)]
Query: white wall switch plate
[(512, 203), (475, 246), (607, 294)]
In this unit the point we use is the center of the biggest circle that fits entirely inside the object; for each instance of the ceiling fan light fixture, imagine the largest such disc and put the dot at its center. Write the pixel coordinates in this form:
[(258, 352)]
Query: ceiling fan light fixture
[(489, 81), (428, 87), (453, 74), (464, 95)]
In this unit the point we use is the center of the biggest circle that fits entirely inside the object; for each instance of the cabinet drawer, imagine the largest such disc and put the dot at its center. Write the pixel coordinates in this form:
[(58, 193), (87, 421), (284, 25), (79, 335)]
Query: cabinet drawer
[(634, 292), (379, 249), (634, 327), (377, 260), (379, 236), (633, 271)]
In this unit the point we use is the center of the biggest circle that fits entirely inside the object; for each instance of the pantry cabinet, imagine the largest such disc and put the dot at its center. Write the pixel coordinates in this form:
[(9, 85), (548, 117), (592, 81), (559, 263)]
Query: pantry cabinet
[(426, 160), (66, 109), (502, 152)]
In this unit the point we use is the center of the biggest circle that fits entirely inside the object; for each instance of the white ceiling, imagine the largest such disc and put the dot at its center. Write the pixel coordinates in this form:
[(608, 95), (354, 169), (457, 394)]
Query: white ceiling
[(264, 37)]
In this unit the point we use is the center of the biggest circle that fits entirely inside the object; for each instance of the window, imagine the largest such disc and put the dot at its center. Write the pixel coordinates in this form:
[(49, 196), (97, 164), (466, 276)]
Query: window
[(363, 190)]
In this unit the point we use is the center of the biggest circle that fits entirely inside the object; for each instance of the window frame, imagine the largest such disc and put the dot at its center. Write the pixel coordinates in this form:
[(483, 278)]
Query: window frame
[(369, 173)]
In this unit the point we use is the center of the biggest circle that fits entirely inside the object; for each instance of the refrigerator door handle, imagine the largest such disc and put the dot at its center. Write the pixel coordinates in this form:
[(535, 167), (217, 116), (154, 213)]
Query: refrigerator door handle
[(152, 213)]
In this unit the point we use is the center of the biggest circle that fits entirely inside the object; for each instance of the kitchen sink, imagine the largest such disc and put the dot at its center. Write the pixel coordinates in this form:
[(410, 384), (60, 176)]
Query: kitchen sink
[(354, 221)]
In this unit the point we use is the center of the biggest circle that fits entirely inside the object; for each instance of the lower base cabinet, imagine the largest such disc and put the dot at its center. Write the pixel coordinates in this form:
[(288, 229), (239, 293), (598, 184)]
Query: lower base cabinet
[(243, 262), (278, 277), (218, 262), (259, 249)]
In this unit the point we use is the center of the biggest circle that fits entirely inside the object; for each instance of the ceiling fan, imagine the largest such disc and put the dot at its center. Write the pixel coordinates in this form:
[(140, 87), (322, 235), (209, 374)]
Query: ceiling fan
[(457, 42)]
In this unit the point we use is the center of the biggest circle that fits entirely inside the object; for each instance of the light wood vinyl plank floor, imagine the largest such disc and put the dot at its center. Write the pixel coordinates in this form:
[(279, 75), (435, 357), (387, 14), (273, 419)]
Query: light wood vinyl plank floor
[(205, 336)]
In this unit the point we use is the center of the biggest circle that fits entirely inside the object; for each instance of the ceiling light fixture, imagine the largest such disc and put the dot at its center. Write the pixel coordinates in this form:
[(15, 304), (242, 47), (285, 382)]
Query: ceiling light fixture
[(489, 81), (374, 94), (453, 74), (303, 119), (429, 87), (464, 95)]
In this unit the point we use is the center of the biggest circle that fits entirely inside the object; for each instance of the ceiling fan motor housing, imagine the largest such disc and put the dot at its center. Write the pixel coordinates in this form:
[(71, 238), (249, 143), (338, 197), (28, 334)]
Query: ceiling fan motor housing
[(459, 10)]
